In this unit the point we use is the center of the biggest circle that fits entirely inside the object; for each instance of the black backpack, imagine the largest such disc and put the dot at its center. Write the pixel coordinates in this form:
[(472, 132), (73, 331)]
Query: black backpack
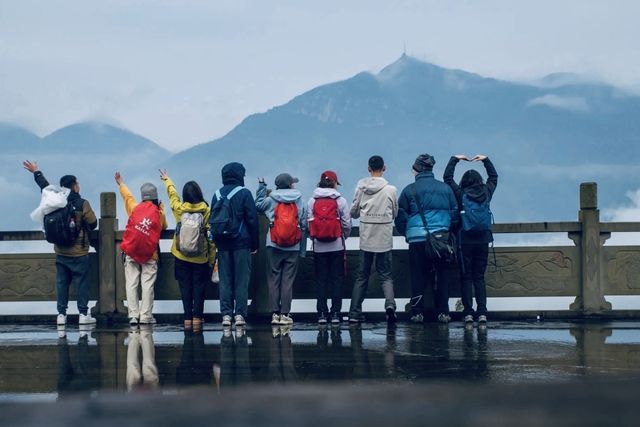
[(60, 226), (223, 222)]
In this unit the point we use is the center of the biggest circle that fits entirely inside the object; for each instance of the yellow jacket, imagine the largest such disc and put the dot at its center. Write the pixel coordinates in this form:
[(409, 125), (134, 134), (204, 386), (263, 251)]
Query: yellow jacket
[(178, 208), (130, 204)]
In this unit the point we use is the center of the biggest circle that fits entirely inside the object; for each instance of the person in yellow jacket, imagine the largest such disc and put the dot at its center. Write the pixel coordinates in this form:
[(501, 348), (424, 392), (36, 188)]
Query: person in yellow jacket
[(140, 275), (193, 252)]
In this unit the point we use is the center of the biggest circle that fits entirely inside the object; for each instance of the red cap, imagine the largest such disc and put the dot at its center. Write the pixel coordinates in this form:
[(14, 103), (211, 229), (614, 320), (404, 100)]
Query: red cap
[(330, 175)]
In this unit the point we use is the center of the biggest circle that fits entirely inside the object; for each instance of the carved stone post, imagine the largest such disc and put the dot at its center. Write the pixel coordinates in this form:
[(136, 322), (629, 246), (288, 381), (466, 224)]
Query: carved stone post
[(107, 226), (590, 299)]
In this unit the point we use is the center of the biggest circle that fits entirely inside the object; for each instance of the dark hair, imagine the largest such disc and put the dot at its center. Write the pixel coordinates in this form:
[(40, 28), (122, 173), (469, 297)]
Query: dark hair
[(326, 183), (67, 181), (470, 178), (154, 201), (192, 193), (376, 163)]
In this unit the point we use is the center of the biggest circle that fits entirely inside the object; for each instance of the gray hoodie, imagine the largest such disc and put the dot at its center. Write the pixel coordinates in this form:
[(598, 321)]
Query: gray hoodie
[(345, 219), (376, 205), (266, 204)]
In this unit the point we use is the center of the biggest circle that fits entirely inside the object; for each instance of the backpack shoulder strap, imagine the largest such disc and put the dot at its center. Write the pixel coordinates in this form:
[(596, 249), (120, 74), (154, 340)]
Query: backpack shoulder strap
[(234, 191), (218, 195), (420, 207)]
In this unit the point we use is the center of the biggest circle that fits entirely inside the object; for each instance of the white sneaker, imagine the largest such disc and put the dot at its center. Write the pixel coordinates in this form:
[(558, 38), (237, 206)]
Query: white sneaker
[(61, 319), (86, 319), (239, 332), (148, 321), (482, 318), (275, 319), (226, 320), (468, 318), (62, 331), (417, 318), (240, 320), (133, 321), (443, 318), (275, 331), (286, 319)]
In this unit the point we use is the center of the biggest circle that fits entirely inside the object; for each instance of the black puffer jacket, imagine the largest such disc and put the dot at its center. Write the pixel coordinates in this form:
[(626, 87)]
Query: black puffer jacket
[(243, 207), (471, 184)]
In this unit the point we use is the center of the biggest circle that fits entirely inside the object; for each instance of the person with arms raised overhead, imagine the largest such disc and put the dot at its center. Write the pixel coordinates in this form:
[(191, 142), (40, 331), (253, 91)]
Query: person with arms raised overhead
[(68, 228), (474, 197)]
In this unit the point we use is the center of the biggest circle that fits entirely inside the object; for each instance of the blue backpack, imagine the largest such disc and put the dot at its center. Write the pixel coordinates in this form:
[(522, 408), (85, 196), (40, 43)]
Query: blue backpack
[(223, 222), (475, 216)]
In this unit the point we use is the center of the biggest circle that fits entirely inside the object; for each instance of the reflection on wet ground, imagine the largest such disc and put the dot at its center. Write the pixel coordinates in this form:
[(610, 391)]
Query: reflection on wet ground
[(43, 363)]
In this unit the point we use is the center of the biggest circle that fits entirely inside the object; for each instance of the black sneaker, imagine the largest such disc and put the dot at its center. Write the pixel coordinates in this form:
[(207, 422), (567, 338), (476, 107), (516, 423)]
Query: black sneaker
[(335, 318), (391, 315), (322, 318)]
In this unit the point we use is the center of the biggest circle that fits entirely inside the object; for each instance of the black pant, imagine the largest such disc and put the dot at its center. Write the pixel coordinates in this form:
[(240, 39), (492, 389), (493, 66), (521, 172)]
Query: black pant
[(193, 280), (329, 272), (426, 271), (474, 259)]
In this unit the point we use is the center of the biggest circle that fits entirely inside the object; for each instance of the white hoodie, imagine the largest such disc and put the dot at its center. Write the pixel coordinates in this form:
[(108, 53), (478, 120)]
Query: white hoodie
[(376, 204)]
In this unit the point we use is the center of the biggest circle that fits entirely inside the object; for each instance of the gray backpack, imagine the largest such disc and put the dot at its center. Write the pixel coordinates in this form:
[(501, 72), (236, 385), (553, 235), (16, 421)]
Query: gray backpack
[(191, 234)]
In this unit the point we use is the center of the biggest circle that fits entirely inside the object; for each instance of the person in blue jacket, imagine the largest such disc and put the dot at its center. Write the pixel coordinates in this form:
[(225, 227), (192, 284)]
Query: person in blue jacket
[(234, 254), (441, 212)]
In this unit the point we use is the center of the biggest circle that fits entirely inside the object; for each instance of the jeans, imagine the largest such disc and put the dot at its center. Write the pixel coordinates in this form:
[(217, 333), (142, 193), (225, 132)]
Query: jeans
[(474, 258), (383, 267), (425, 271), (70, 270), (282, 269), (193, 280), (329, 271), (235, 271)]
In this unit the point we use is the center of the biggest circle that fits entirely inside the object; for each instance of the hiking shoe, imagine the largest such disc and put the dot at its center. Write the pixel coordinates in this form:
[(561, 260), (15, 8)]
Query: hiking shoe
[(275, 319), (133, 321), (86, 319), (240, 320), (482, 319), (417, 318), (335, 318), (468, 318), (286, 319), (391, 315), (61, 319), (444, 318), (226, 320), (322, 318)]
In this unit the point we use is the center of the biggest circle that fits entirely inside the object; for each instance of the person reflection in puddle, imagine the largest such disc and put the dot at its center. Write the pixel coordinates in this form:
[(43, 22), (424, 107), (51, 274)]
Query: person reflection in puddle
[(74, 380), (234, 369), (141, 376), (281, 368), (194, 368)]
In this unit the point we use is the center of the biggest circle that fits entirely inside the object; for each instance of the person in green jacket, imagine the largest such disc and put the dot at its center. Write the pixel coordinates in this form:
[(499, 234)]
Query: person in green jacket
[(193, 252)]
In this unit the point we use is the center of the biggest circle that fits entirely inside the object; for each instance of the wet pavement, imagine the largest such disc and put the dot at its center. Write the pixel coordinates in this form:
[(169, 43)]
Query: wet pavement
[(42, 363)]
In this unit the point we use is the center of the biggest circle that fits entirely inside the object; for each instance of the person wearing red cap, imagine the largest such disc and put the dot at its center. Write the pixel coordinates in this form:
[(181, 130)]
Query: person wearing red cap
[(329, 226)]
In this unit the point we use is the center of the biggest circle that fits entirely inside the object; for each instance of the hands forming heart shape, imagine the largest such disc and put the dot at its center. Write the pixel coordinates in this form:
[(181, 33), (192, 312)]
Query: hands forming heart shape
[(477, 158)]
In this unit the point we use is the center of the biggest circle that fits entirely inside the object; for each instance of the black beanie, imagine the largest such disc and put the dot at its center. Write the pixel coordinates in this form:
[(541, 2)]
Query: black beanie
[(424, 162)]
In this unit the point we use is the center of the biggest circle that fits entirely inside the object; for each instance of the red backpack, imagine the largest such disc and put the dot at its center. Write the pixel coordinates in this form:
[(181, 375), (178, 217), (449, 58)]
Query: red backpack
[(142, 234), (325, 225), (285, 230)]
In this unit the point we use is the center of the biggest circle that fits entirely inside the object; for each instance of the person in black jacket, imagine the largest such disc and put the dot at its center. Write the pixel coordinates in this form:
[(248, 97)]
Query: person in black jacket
[(234, 254), (474, 244)]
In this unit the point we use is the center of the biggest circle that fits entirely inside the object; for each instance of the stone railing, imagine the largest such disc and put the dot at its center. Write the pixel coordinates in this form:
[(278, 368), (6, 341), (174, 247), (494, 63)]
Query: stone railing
[(588, 270)]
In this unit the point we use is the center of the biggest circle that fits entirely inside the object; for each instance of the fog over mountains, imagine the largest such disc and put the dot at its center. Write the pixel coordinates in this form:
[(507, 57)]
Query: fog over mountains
[(544, 138)]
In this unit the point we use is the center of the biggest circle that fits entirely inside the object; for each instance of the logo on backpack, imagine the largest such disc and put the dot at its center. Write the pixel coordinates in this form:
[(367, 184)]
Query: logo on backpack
[(191, 234), (476, 216), (223, 222), (142, 233), (285, 230), (325, 225), (60, 226)]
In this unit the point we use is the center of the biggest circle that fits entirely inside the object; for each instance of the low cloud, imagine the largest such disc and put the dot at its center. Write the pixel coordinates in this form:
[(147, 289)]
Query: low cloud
[(570, 103), (625, 213)]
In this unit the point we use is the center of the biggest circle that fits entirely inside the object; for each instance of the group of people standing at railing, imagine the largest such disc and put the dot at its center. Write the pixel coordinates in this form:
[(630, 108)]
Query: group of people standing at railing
[(443, 222)]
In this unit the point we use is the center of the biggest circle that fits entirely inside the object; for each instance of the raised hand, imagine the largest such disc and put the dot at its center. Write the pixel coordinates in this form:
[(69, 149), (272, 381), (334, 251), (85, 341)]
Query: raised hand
[(164, 175), (30, 166), (462, 157), (118, 178), (479, 157)]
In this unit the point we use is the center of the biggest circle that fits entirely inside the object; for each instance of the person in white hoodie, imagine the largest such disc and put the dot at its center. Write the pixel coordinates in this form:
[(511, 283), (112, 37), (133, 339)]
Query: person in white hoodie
[(329, 226), (376, 205), (286, 241)]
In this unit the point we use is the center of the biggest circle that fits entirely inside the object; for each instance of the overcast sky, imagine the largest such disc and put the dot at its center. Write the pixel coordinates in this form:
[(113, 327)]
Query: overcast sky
[(185, 72)]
